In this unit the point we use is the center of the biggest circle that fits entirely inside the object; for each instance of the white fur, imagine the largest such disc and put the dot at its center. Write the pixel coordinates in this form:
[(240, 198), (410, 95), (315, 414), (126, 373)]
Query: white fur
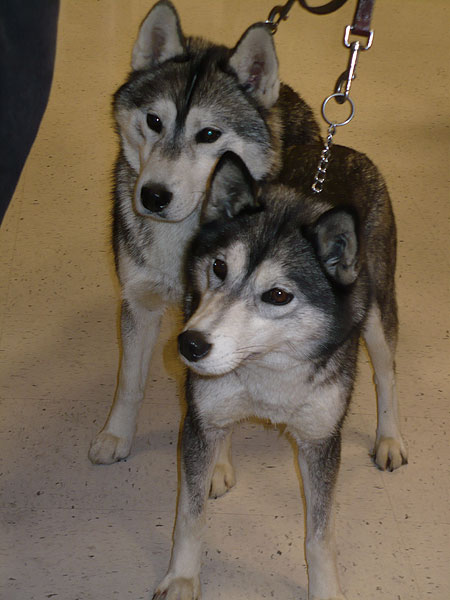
[(186, 177), (149, 287), (389, 445), (185, 562), (248, 327), (323, 580), (114, 440), (277, 385), (148, 290), (223, 478), (261, 352), (161, 276)]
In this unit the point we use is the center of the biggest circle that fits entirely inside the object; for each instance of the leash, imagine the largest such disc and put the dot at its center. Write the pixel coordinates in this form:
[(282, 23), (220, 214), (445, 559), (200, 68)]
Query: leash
[(360, 27), (280, 13)]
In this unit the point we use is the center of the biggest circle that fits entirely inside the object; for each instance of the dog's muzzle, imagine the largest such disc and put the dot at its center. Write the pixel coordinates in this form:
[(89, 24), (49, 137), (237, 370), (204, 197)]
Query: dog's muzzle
[(193, 345), (155, 198)]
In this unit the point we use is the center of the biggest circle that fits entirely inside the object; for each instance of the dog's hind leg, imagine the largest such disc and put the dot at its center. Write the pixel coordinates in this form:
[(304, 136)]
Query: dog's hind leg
[(319, 465), (223, 478), (380, 336), (139, 331), (199, 453)]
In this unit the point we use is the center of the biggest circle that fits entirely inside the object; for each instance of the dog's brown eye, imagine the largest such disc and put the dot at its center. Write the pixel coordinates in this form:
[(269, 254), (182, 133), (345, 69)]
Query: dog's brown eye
[(277, 296), (207, 136), (154, 122), (220, 269)]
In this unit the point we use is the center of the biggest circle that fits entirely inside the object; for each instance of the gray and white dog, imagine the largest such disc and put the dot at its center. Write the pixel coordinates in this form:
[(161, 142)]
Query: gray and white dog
[(281, 285), (186, 103)]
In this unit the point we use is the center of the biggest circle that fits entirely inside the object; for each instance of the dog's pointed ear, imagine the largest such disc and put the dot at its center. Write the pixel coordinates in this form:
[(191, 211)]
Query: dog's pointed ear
[(232, 190), (160, 37), (336, 244), (255, 62)]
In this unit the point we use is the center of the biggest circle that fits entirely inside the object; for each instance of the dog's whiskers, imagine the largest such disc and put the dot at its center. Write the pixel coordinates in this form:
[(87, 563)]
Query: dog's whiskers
[(251, 351)]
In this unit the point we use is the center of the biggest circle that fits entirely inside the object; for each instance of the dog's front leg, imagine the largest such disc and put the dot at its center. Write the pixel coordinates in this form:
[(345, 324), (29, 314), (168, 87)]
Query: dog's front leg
[(139, 331), (319, 465), (223, 478), (199, 454)]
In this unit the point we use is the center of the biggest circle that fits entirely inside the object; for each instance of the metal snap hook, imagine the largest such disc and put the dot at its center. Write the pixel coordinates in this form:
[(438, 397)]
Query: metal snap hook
[(280, 13)]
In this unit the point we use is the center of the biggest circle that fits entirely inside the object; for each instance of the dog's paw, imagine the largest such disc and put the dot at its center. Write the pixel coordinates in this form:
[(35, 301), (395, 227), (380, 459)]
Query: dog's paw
[(107, 449), (389, 453), (178, 589), (223, 479)]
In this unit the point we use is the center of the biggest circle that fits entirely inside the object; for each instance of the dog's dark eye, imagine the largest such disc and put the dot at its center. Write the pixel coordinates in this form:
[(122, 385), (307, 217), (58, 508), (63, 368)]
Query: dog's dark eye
[(277, 296), (154, 122), (220, 269), (207, 136)]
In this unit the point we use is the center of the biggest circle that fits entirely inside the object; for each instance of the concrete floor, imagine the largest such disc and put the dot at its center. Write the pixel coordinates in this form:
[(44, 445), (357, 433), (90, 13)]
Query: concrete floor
[(70, 530)]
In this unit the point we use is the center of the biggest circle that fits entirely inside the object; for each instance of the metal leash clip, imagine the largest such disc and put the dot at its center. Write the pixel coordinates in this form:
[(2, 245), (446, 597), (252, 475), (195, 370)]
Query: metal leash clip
[(341, 95), (360, 27), (278, 14), (368, 34), (349, 74)]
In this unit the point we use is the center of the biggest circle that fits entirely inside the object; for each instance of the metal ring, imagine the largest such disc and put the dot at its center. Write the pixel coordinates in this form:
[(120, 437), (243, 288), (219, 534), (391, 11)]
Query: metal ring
[(342, 96)]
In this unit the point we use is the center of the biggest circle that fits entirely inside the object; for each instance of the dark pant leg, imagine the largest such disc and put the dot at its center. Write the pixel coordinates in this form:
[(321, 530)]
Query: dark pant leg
[(27, 53)]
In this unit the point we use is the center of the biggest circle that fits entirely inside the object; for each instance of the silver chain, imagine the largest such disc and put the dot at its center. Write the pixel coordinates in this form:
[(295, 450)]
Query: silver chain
[(321, 172), (340, 97)]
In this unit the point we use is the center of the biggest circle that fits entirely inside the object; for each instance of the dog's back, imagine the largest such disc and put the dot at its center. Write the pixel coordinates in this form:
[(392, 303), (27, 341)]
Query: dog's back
[(353, 184)]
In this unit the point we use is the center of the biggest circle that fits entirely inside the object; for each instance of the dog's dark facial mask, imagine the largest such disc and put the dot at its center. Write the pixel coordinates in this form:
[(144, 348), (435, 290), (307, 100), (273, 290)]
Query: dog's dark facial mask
[(233, 193)]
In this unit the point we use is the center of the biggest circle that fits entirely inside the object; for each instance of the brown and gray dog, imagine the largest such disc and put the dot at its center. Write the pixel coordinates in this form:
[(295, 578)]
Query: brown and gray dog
[(281, 285)]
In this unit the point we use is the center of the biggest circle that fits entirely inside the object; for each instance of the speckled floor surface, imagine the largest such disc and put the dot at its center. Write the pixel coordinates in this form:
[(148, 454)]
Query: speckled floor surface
[(72, 531)]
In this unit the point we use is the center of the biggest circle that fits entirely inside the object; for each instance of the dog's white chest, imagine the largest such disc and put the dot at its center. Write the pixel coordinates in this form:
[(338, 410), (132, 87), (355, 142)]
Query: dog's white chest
[(286, 397), (166, 253), (161, 274)]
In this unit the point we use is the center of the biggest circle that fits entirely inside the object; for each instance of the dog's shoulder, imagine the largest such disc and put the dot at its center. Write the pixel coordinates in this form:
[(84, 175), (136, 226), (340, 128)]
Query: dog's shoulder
[(299, 124)]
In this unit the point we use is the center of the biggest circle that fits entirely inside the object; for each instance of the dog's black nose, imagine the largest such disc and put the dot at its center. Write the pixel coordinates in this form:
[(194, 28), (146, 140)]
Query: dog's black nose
[(193, 345), (155, 197)]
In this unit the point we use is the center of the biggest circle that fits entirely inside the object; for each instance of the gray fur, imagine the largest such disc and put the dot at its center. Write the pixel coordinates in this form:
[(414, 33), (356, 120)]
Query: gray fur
[(190, 85), (281, 323)]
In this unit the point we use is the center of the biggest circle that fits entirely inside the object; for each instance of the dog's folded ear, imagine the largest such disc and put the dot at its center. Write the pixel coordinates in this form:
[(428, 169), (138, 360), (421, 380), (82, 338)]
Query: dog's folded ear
[(231, 191), (160, 37), (255, 62), (336, 243)]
